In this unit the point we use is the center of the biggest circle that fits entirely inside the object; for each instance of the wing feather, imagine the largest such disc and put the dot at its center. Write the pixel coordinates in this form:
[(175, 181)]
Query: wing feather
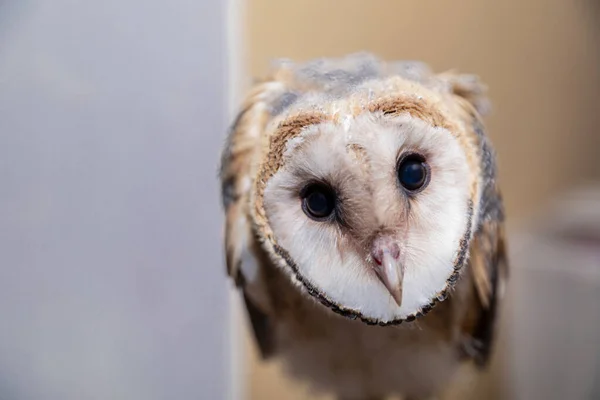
[(488, 265), (241, 149), (489, 269), (242, 146)]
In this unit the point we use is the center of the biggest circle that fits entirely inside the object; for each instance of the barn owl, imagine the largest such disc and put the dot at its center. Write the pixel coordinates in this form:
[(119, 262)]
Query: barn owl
[(364, 224)]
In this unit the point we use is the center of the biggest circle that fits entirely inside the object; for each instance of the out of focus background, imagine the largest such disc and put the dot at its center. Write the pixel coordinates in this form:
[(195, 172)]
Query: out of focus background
[(112, 286), (112, 117)]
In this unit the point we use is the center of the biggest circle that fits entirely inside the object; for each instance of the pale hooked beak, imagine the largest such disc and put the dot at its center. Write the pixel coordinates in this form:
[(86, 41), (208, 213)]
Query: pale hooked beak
[(386, 254)]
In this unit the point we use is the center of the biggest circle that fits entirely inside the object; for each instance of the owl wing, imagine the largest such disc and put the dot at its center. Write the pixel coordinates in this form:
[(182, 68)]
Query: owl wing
[(488, 264), (489, 269), (242, 148), (236, 161), (488, 260)]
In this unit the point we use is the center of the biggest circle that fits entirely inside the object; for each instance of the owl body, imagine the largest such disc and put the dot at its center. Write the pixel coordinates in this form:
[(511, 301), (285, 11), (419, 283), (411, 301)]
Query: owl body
[(364, 225), (357, 361)]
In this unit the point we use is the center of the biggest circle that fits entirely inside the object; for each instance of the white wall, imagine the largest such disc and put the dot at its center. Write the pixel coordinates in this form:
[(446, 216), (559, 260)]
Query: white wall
[(112, 284)]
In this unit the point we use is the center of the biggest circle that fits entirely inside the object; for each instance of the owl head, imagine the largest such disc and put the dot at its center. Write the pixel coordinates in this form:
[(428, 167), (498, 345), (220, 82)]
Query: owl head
[(367, 201)]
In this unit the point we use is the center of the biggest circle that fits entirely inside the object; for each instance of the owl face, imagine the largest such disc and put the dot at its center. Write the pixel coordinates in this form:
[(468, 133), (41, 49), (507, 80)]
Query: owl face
[(372, 213)]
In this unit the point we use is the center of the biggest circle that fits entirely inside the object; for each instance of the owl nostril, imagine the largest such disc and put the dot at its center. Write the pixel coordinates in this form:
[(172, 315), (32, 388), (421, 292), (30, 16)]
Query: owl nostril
[(384, 245), (377, 256)]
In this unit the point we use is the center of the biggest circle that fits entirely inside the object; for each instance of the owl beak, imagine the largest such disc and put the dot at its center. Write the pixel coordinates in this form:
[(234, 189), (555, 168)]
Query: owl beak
[(389, 269)]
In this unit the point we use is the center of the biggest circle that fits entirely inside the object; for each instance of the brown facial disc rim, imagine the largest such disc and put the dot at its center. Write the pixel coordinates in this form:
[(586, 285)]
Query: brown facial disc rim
[(293, 126)]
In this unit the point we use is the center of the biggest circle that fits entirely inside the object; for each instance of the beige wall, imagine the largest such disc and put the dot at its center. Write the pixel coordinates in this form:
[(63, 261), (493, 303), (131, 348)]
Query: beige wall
[(540, 58)]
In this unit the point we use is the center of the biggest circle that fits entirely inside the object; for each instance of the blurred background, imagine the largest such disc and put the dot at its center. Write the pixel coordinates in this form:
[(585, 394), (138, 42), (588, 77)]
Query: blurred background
[(112, 114), (112, 117)]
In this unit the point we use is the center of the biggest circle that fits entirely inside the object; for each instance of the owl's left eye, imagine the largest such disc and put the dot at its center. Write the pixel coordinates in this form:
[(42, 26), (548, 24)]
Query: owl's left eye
[(318, 201)]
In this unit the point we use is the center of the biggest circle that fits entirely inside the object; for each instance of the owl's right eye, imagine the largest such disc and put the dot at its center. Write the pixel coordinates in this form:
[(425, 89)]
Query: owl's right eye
[(413, 172), (318, 201)]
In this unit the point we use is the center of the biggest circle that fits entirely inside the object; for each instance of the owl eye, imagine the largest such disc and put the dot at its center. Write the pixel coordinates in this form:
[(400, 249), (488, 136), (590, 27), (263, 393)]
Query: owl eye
[(318, 201), (413, 172)]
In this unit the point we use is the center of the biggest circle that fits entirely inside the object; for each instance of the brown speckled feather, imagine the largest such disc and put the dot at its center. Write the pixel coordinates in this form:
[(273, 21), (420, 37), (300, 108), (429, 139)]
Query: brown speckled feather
[(488, 265), (237, 166), (490, 270)]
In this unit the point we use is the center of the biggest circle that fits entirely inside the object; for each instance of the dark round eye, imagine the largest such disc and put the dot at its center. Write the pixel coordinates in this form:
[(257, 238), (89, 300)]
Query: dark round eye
[(318, 201), (413, 172)]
